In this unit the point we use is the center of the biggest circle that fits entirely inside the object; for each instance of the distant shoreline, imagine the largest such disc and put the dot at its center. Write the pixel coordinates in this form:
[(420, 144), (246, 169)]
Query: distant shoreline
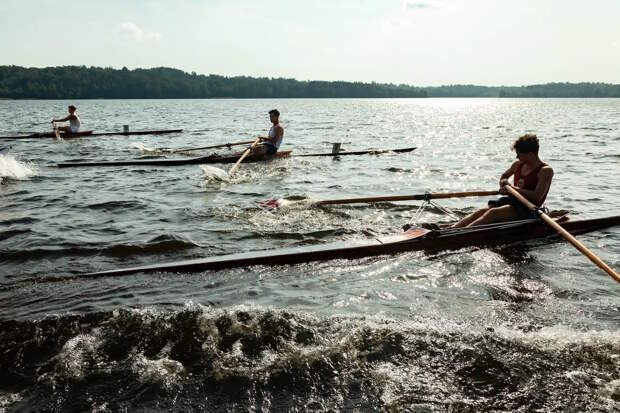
[(81, 82), (316, 98)]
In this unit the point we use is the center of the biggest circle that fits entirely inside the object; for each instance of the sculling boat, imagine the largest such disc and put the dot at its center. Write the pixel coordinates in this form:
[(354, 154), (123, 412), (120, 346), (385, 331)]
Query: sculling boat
[(219, 159), (411, 240), (180, 161), (90, 133)]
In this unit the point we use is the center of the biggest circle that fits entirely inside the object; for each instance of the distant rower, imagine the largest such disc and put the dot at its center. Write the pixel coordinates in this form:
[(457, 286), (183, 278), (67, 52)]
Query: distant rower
[(74, 121), (271, 143), (532, 179)]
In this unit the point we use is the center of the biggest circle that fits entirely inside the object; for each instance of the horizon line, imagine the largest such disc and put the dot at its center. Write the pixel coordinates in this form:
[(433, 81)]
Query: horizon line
[(315, 80)]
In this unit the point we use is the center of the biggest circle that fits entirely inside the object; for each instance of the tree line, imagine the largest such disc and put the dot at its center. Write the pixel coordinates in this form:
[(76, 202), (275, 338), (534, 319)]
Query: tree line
[(81, 82)]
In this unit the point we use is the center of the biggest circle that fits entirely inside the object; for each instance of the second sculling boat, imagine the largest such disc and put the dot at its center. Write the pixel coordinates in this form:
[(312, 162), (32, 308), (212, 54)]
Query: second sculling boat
[(211, 159)]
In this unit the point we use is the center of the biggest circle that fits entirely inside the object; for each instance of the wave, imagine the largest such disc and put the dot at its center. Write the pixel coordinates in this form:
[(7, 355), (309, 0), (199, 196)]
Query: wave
[(116, 205), (595, 128), (13, 169), (202, 358), (164, 244)]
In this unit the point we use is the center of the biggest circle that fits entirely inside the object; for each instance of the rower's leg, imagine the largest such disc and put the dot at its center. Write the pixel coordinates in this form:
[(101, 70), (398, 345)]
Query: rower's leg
[(499, 214), (259, 150), (65, 129), (470, 218)]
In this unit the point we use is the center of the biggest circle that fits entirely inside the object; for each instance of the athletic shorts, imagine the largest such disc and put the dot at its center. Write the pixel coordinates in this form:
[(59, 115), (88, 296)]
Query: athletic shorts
[(270, 149), (522, 211)]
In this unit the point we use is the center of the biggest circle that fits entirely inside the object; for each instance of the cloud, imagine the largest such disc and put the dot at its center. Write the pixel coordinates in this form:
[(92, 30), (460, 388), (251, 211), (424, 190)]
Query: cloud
[(132, 31), (411, 5)]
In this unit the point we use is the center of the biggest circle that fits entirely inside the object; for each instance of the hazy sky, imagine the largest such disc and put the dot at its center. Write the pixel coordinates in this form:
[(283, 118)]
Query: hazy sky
[(419, 42)]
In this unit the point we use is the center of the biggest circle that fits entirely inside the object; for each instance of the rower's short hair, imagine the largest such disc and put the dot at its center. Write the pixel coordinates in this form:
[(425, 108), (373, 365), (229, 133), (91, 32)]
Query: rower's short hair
[(527, 143), (275, 112)]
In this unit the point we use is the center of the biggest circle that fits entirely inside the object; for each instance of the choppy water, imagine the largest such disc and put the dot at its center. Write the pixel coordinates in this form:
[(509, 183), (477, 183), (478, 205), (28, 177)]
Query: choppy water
[(525, 327)]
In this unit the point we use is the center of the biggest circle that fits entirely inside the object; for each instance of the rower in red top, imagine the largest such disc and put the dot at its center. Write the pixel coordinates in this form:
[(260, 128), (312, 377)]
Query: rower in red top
[(532, 179)]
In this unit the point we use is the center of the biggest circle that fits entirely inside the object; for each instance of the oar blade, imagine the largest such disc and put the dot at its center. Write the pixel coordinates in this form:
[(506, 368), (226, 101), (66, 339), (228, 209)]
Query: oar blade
[(282, 203), (268, 204), (213, 174)]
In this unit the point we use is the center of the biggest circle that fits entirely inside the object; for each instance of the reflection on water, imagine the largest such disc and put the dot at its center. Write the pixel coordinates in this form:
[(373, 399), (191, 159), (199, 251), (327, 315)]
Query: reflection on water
[(531, 326)]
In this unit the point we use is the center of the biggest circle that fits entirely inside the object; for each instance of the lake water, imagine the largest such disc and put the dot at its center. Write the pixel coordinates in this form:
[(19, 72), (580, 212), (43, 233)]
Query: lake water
[(532, 326)]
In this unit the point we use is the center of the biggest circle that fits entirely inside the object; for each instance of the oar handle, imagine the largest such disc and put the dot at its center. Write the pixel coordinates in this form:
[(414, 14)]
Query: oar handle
[(549, 221), (420, 197), (242, 157)]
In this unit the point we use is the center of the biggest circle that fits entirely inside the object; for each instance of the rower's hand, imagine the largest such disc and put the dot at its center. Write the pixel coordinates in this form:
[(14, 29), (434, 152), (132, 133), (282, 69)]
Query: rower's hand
[(502, 186)]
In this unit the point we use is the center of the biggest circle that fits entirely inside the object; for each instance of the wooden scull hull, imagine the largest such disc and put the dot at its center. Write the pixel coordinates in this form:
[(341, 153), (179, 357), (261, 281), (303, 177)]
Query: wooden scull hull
[(179, 161), (217, 159), (91, 133), (412, 240)]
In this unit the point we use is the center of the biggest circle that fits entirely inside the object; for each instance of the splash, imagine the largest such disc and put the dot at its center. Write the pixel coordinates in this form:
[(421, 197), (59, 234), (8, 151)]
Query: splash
[(213, 174), (293, 203), (147, 149), (250, 358), (11, 168)]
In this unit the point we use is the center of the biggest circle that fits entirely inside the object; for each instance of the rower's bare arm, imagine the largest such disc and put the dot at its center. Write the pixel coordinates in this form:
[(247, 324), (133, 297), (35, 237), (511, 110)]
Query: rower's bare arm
[(545, 175), (509, 172), (279, 132), (66, 118)]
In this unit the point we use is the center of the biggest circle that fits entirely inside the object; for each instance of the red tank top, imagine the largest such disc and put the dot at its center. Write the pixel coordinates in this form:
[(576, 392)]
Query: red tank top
[(528, 181)]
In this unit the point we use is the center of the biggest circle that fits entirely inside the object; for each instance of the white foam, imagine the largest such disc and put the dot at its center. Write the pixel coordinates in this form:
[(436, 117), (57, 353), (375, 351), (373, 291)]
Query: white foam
[(74, 359), (11, 168), (213, 174), (163, 370), (609, 392), (142, 147), (296, 203), (7, 399)]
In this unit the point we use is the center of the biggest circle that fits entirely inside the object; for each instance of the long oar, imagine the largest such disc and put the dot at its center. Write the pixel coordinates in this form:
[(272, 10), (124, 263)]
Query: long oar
[(419, 197), (363, 152), (210, 147), (243, 156), (182, 150), (272, 203), (584, 250)]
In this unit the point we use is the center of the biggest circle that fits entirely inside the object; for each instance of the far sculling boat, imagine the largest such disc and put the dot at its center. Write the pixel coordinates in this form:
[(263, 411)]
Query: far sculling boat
[(415, 239), (90, 133)]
